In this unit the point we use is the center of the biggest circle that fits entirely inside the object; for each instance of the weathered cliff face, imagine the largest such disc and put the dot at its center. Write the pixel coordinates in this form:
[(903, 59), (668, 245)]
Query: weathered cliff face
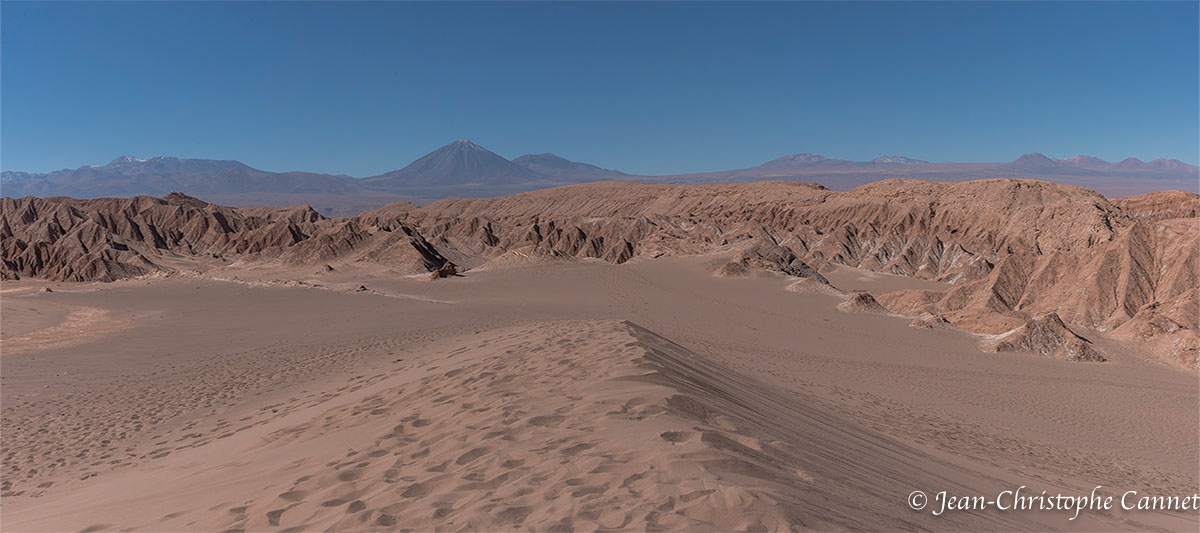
[(107, 239), (1014, 249), (944, 231), (1163, 205), (1141, 286), (112, 238)]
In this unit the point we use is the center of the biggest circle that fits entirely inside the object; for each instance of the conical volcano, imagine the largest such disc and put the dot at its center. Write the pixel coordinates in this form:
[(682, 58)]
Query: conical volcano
[(461, 162)]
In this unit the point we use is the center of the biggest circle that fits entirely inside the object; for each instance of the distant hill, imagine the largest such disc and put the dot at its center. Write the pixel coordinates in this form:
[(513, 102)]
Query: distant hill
[(1127, 167), (803, 161), (1036, 163), (228, 182), (1123, 178), (557, 167), (466, 169), (129, 176)]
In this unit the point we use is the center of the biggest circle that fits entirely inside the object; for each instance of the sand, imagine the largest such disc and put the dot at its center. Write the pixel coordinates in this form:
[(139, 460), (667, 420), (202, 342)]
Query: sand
[(568, 395)]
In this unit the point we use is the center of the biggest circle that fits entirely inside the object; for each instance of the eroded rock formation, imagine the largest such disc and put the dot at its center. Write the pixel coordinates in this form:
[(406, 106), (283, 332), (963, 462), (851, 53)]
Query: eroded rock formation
[(1012, 249), (1047, 336), (65, 239), (861, 302)]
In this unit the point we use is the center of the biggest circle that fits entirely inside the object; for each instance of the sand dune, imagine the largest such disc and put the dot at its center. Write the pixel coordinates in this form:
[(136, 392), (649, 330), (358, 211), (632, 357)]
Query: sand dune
[(554, 426), (591, 372)]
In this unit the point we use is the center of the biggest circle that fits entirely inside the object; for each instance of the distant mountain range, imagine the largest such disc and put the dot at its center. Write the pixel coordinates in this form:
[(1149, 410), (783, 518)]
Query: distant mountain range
[(1029, 165), (127, 175), (1124, 178), (463, 168)]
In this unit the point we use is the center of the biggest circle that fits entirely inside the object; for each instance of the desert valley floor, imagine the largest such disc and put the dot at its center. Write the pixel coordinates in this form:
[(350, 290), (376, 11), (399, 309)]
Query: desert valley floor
[(572, 395)]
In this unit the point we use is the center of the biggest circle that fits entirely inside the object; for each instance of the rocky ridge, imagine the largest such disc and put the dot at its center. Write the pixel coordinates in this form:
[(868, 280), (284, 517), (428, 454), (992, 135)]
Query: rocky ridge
[(65, 239), (1014, 250)]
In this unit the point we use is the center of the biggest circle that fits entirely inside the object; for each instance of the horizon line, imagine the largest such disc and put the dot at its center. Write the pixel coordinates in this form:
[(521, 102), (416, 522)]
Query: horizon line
[(922, 161)]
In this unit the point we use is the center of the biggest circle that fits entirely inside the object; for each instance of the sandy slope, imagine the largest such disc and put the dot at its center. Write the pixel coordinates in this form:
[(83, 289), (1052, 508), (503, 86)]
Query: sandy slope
[(570, 425), (561, 396), (21, 320)]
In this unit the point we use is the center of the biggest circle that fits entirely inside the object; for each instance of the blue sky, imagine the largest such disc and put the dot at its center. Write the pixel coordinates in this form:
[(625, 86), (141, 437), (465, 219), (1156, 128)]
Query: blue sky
[(363, 88)]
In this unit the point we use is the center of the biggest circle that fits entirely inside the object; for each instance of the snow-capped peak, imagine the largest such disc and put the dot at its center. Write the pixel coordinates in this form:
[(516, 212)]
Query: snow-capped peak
[(126, 159), (896, 160)]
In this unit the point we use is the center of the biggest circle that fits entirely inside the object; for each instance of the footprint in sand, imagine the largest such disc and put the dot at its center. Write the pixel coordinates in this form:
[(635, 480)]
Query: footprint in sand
[(470, 456), (546, 420), (294, 495), (274, 516)]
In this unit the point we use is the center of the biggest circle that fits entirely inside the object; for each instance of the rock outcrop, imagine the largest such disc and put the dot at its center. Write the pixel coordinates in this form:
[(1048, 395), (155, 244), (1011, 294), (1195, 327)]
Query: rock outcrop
[(1049, 337), (1167, 330), (861, 302), (930, 321), (815, 286), (766, 256), (447, 270)]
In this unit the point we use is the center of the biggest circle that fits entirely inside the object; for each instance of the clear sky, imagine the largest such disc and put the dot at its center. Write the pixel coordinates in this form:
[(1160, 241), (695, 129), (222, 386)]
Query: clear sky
[(363, 88)]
